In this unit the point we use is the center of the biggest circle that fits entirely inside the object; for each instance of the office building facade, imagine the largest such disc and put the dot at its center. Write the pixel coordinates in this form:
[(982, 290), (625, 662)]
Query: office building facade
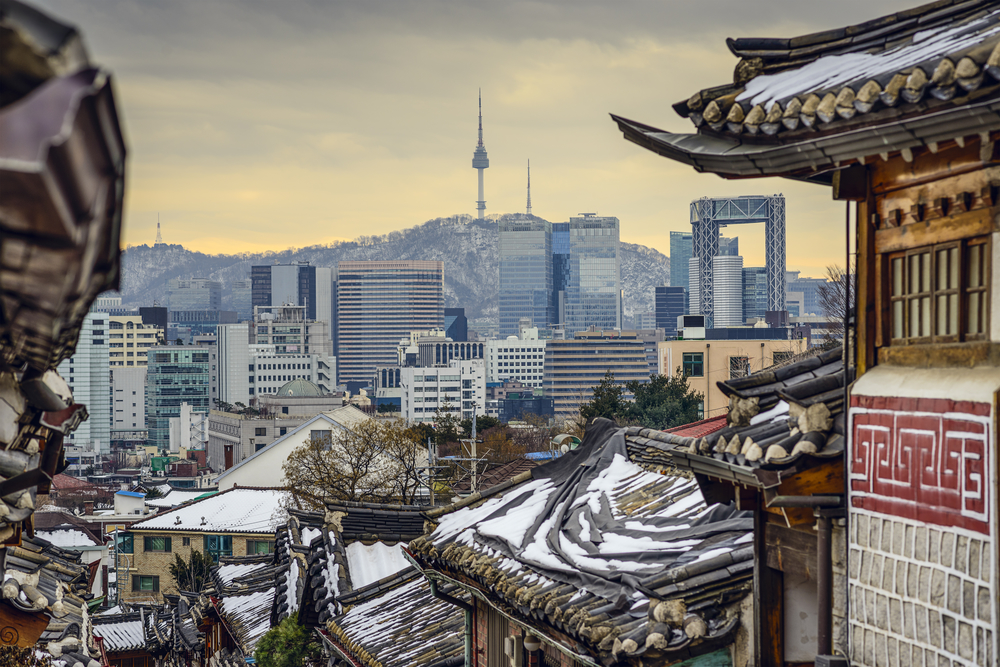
[(177, 374), (516, 359), (88, 374), (457, 389), (195, 294), (299, 284), (669, 306), (593, 296), (754, 293), (525, 272), (380, 303), (242, 299), (680, 254), (128, 388), (129, 339), (573, 367), (728, 289), (456, 325)]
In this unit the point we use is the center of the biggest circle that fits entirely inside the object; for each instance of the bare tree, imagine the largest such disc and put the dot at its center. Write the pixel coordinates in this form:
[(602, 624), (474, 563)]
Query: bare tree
[(835, 297), (374, 461)]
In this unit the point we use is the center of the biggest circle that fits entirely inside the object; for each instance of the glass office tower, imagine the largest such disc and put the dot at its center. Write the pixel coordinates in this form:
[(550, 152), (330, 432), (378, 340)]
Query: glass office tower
[(525, 273), (680, 254), (175, 374), (593, 296)]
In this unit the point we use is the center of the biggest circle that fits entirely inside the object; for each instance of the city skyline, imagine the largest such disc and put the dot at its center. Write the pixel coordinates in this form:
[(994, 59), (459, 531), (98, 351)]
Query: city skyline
[(313, 124)]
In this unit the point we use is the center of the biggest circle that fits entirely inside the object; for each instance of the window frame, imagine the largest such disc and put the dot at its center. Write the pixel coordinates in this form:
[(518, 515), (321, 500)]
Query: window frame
[(154, 582), (146, 541), (959, 294), (126, 543), (252, 545), (690, 364), (743, 369)]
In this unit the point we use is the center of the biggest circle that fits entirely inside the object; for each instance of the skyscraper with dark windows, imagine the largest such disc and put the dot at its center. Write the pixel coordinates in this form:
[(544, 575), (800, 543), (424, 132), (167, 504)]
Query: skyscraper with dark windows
[(560, 270), (593, 295), (754, 292), (378, 304), (680, 256), (525, 272), (669, 306)]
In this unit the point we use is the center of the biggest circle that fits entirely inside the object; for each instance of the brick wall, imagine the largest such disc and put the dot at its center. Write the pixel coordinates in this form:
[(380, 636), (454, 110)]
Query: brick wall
[(155, 563), (920, 595)]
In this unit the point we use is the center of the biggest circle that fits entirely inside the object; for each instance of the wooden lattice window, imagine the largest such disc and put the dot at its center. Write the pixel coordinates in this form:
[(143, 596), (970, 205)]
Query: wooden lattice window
[(939, 293)]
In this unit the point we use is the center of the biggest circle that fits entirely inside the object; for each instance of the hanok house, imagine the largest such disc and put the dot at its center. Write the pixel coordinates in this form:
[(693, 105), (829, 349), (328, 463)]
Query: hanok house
[(237, 522), (350, 582), (593, 560), (899, 116)]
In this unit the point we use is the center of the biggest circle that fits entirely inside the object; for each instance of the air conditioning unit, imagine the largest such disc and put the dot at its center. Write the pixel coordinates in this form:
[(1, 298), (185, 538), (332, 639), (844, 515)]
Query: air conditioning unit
[(513, 649)]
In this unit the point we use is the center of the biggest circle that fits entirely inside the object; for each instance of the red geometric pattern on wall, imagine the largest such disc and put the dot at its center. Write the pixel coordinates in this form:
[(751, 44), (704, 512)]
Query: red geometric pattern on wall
[(926, 460)]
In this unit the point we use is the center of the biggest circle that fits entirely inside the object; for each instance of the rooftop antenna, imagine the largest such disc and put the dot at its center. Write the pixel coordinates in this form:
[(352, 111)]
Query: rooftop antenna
[(529, 187), (159, 236)]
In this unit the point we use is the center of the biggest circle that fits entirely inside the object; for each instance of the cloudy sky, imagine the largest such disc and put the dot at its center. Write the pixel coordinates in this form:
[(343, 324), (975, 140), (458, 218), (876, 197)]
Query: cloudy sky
[(259, 125)]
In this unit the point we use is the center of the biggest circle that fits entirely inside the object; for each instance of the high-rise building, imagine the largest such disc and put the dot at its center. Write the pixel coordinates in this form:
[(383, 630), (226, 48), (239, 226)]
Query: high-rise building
[(669, 306), (480, 161), (380, 303), (456, 325), (235, 363), (176, 374), (729, 247), (754, 293), (728, 287), (560, 271), (593, 296), (680, 254), (129, 338), (809, 288), (525, 272), (88, 375), (284, 346), (573, 367), (299, 284), (196, 294), (243, 299)]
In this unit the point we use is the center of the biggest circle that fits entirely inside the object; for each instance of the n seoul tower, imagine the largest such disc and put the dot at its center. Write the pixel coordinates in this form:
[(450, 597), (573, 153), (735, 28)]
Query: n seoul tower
[(480, 161)]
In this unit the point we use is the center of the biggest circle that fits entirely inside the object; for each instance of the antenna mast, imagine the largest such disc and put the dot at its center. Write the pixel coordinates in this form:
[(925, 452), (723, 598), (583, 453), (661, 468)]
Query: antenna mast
[(529, 187)]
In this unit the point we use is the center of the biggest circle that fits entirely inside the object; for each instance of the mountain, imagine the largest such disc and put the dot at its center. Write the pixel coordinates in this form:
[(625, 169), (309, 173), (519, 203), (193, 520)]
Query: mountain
[(466, 245)]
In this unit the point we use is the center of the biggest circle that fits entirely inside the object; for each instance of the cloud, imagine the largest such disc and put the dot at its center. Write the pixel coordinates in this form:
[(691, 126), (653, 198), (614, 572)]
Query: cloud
[(289, 123)]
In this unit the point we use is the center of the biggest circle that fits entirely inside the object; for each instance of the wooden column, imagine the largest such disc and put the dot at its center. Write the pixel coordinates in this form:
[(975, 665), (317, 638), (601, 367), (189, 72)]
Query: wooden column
[(768, 592), (866, 300)]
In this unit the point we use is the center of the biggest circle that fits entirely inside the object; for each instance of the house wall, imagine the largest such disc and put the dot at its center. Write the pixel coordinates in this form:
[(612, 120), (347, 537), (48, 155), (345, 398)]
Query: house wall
[(716, 355), (155, 563)]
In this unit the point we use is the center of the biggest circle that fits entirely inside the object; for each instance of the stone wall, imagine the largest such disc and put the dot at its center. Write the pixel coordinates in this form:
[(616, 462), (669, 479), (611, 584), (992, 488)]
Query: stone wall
[(920, 595)]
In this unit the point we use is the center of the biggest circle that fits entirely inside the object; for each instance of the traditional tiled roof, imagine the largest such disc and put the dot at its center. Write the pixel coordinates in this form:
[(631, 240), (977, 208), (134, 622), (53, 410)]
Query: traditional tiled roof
[(397, 622), (699, 429), (628, 564), (246, 589), (780, 420), (130, 631), (237, 510), (61, 592), (359, 591), (919, 77)]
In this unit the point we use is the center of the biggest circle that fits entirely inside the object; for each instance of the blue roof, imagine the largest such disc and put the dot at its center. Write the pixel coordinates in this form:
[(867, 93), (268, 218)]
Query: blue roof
[(541, 456), (131, 494)]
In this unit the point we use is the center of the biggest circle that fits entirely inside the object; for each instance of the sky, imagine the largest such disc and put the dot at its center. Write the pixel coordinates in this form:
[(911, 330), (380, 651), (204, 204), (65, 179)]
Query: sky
[(256, 125)]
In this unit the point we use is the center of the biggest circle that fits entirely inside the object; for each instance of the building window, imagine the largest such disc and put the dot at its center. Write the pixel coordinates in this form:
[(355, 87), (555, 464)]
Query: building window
[(260, 547), (186, 541), (739, 367), (781, 356), (939, 293), (125, 543), (694, 364), (325, 436), (260, 431), (142, 582), (217, 546), (156, 544)]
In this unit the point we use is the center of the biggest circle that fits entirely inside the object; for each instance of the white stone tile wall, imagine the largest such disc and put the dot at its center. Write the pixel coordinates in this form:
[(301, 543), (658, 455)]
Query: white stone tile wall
[(920, 595)]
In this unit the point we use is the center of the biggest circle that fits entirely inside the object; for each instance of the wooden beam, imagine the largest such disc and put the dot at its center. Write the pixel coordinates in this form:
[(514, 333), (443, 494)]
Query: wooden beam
[(791, 550), (865, 300), (768, 599), (20, 628), (914, 235)]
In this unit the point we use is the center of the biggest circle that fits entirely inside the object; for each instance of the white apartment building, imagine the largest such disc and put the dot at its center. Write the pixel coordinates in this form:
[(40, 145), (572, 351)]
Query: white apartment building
[(271, 371), (88, 374), (459, 386), (515, 359), (128, 386), (129, 339)]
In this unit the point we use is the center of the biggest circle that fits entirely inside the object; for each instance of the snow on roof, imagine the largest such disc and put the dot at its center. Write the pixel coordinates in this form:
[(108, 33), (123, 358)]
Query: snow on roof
[(250, 614), (175, 497), (228, 572), (596, 526), (123, 633), (369, 563), (238, 510), (67, 537)]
